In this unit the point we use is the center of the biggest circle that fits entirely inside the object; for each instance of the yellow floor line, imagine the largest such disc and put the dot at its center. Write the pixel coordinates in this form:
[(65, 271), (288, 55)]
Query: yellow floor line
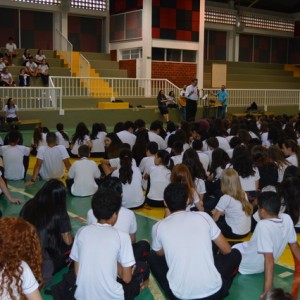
[(155, 290)]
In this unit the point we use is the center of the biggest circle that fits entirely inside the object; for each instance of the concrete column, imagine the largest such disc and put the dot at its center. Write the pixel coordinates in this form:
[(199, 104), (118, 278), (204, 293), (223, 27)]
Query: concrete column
[(200, 58), (237, 47), (56, 26), (146, 70)]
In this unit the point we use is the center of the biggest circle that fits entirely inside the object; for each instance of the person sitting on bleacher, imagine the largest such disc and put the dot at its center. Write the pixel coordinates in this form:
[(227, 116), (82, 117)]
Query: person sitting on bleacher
[(11, 111), (11, 50), (2, 64), (25, 57), (39, 57), (24, 79), (6, 78), (43, 71), (31, 67)]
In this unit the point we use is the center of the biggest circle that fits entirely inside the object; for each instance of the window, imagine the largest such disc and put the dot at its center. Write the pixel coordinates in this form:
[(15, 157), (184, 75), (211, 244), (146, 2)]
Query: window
[(134, 53), (175, 55)]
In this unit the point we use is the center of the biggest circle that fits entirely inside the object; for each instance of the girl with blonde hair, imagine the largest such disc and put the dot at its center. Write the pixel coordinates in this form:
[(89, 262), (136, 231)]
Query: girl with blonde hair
[(181, 174), (20, 260), (233, 211)]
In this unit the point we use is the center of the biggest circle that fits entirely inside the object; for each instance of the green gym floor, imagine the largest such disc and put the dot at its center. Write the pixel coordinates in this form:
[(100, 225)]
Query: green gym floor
[(245, 287)]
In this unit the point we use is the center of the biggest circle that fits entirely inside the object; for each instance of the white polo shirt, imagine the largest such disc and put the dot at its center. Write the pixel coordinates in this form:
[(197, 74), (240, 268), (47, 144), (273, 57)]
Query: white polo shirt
[(98, 142), (186, 239), (11, 112), (115, 162), (53, 165), (126, 221), (270, 236), (235, 217), (153, 137), (133, 195), (76, 145), (61, 140), (177, 159), (29, 283), (84, 172), (146, 164), (11, 47), (293, 160), (159, 180), (204, 159), (13, 161), (127, 137), (97, 248)]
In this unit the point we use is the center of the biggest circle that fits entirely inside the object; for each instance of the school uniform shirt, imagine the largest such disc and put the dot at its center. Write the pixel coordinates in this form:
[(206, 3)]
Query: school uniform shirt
[(11, 47), (159, 180), (84, 172), (235, 217), (52, 157), (133, 195), (186, 239), (13, 161), (29, 283), (204, 159), (264, 139), (32, 66), (293, 160), (11, 112), (97, 248), (7, 77), (127, 137), (61, 140), (153, 137), (126, 221), (270, 236), (77, 144), (177, 159), (200, 186), (2, 66), (145, 165), (43, 68), (98, 142), (39, 57)]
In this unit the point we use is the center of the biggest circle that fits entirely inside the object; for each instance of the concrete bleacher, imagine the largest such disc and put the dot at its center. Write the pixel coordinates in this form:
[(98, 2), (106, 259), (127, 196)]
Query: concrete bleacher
[(56, 66), (245, 75)]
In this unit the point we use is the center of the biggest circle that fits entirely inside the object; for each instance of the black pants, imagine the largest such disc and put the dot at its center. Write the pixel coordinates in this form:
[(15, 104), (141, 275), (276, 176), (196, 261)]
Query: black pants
[(227, 265), (227, 231), (141, 250), (191, 110), (155, 203)]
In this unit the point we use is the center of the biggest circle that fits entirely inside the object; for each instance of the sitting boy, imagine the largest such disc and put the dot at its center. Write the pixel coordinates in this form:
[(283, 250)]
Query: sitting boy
[(182, 260), (272, 233), (83, 174), (102, 253)]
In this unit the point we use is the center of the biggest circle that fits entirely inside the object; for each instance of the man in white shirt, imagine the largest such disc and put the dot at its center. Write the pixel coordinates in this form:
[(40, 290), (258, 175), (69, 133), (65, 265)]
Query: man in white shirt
[(126, 135), (154, 135), (272, 233), (102, 253), (83, 174), (192, 96), (50, 160), (13, 157), (182, 260)]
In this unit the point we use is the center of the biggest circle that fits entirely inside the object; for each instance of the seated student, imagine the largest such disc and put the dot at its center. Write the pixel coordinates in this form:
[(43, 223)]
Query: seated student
[(272, 233), (131, 178), (13, 157), (43, 71), (159, 177), (111, 274), (83, 174), (11, 111), (62, 137), (24, 79), (177, 149), (126, 220), (2, 64), (233, 211), (182, 258), (11, 50), (6, 78), (47, 211), (25, 56), (31, 67), (126, 135), (80, 137), (51, 161), (204, 158), (39, 57), (20, 260), (97, 138)]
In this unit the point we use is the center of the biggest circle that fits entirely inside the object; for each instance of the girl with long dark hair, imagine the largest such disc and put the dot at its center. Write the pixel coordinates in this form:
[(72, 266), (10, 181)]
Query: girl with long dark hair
[(80, 137), (97, 137)]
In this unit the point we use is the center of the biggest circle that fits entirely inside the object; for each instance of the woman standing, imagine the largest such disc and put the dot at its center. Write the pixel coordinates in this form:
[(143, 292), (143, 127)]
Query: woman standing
[(162, 105)]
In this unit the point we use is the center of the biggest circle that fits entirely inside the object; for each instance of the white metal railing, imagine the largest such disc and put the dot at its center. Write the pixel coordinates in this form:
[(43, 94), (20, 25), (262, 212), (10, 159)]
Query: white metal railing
[(31, 98), (66, 49), (84, 67), (113, 87), (263, 98)]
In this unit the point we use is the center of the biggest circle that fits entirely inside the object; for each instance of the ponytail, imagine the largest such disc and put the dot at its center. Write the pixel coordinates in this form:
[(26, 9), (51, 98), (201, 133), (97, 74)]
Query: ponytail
[(125, 171)]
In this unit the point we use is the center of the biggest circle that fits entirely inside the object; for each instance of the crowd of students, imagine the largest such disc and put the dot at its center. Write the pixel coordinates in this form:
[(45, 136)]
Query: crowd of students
[(216, 179)]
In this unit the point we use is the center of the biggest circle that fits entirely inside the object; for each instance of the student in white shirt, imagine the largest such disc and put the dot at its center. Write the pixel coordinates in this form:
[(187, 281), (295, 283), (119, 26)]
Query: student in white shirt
[(177, 149), (126, 135), (13, 157), (83, 175), (233, 211), (97, 138), (126, 221), (97, 274), (11, 50), (204, 158), (291, 150), (182, 260), (154, 135), (272, 233), (11, 111), (21, 257), (80, 137), (62, 136), (131, 178), (43, 71), (51, 161), (31, 67), (159, 177)]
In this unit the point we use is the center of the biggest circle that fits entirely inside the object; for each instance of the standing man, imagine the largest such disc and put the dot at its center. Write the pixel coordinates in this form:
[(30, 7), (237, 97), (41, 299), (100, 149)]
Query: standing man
[(192, 96), (222, 99)]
